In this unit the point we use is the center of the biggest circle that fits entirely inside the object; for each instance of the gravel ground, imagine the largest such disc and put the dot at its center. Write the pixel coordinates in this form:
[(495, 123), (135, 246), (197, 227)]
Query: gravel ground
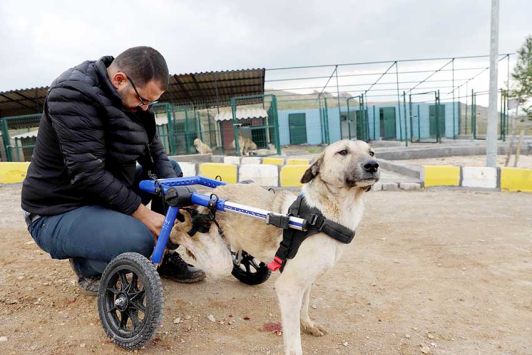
[(438, 271)]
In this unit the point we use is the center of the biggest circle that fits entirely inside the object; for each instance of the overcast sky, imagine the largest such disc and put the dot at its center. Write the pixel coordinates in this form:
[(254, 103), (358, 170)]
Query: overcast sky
[(41, 39)]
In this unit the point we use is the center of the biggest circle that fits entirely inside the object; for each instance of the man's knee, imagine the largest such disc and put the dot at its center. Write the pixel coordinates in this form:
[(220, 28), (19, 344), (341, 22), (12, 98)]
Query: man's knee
[(140, 240)]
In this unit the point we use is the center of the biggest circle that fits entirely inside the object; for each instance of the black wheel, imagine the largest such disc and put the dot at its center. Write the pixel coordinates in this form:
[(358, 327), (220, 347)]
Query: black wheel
[(249, 270), (130, 300)]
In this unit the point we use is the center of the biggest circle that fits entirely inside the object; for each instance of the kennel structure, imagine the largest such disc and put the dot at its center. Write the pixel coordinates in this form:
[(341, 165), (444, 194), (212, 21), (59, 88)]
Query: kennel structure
[(409, 101), (187, 111)]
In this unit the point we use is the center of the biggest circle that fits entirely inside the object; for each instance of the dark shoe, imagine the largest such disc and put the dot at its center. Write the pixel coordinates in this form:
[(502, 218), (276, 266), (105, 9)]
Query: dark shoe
[(176, 269), (89, 285)]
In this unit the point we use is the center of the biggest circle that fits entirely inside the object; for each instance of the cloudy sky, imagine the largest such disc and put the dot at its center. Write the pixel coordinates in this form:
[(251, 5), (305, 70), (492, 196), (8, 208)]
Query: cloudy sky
[(40, 39)]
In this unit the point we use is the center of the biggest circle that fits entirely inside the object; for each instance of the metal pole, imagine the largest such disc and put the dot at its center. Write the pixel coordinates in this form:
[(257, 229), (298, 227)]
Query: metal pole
[(398, 101), (410, 115), (348, 118), (459, 113), (466, 97), (473, 115), (418, 125), (235, 126), (491, 135), (404, 111), (338, 99), (454, 118), (374, 124), (507, 94)]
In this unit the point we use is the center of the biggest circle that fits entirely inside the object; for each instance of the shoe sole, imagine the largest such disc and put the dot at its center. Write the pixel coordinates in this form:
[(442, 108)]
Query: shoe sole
[(185, 281)]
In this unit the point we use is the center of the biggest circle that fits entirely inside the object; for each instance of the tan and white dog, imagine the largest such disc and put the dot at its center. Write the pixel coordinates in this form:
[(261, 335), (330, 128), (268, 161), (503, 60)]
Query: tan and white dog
[(201, 147), (246, 145), (335, 184)]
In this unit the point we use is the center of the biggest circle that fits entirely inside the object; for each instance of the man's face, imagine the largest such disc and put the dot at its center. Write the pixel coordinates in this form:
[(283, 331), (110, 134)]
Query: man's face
[(136, 97)]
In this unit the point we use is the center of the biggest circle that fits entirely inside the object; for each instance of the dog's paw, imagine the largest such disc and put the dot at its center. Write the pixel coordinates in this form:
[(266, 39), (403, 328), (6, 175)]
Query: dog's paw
[(313, 329)]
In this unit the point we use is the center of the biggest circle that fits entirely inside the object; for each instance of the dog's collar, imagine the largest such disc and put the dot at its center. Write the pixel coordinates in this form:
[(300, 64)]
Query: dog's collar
[(315, 222)]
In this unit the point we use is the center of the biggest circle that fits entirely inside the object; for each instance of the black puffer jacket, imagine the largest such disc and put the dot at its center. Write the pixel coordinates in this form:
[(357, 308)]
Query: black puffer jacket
[(88, 145)]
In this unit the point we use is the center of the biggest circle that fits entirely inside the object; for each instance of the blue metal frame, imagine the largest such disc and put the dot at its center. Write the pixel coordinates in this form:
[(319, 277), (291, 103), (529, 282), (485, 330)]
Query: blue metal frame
[(161, 187)]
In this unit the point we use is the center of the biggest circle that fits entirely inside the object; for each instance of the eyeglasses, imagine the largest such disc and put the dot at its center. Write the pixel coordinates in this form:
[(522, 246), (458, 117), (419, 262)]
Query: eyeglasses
[(142, 101)]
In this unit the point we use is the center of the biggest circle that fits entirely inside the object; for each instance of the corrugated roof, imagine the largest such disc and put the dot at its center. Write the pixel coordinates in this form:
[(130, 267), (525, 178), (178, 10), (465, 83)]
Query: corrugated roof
[(26, 135), (241, 114), (209, 89), (206, 89), (22, 101)]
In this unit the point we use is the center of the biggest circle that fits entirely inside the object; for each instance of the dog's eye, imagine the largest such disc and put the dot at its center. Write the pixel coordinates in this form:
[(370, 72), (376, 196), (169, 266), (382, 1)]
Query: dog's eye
[(371, 153), (343, 152)]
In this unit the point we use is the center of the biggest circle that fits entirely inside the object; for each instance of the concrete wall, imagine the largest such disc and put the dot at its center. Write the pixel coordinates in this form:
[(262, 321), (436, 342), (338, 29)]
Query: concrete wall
[(313, 124)]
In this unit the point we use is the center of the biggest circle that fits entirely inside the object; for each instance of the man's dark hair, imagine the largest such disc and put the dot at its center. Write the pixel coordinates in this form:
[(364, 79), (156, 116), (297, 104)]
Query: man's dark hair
[(143, 64)]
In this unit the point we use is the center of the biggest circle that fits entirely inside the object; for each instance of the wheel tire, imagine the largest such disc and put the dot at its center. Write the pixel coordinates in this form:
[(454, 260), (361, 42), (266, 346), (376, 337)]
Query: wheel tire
[(249, 271), (130, 286)]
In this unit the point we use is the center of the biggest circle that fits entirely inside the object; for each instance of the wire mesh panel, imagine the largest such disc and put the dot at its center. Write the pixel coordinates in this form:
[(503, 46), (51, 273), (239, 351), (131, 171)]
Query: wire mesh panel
[(255, 124), (19, 134)]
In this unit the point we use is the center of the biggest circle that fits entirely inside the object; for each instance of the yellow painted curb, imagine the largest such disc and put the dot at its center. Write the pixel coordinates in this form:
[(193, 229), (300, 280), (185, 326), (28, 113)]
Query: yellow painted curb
[(516, 179), (291, 175), (11, 173), (228, 172), (273, 161), (441, 175), (297, 161)]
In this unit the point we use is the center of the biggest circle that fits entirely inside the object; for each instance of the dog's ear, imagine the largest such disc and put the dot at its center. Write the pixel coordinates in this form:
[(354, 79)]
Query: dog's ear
[(313, 170)]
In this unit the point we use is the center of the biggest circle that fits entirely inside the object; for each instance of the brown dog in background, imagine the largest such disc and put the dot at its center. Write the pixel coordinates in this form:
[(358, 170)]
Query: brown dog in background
[(201, 147)]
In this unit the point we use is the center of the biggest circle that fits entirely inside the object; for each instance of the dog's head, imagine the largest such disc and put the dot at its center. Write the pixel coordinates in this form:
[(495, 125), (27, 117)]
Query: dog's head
[(345, 164), (197, 142)]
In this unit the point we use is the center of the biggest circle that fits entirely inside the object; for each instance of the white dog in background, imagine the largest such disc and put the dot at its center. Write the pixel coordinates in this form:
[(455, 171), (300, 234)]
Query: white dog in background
[(201, 147), (335, 184)]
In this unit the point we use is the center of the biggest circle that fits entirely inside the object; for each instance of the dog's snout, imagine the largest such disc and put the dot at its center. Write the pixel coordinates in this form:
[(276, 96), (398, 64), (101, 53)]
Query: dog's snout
[(371, 166)]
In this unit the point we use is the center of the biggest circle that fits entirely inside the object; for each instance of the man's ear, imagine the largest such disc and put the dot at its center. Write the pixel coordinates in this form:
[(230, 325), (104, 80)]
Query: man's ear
[(313, 170), (118, 79)]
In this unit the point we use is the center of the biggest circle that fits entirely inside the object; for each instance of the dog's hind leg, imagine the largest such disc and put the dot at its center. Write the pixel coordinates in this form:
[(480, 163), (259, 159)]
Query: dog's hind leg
[(290, 297), (307, 325)]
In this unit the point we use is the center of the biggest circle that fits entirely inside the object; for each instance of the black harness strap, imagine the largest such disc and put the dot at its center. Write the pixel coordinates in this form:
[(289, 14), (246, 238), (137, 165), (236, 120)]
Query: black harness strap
[(315, 223)]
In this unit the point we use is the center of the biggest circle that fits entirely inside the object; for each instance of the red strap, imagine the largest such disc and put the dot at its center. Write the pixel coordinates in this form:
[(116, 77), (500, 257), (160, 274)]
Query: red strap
[(275, 264)]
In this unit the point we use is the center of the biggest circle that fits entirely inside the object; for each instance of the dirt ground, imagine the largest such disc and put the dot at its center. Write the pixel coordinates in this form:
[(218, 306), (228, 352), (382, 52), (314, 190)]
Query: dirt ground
[(438, 271)]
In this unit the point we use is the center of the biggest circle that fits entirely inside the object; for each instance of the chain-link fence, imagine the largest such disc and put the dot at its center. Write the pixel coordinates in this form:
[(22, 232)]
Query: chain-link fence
[(19, 134)]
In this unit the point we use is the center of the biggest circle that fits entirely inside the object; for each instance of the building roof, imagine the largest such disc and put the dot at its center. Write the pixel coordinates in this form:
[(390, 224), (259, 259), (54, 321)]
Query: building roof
[(211, 89), (241, 114), (30, 134), (202, 90), (22, 101)]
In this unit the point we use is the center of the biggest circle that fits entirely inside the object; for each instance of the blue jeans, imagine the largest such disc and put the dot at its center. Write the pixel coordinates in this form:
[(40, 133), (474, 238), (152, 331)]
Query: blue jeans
[(93, 235)]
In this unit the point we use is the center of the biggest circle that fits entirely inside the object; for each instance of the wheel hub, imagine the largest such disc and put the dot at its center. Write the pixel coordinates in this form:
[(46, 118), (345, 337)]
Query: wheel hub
[(122, 302)]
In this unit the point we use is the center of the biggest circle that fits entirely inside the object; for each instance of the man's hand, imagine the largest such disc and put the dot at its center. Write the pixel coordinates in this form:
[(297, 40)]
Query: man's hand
[(153, 220)]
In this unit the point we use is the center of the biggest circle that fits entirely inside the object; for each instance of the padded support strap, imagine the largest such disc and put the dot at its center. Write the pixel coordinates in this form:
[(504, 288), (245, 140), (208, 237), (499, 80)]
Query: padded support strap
[(315, 223)]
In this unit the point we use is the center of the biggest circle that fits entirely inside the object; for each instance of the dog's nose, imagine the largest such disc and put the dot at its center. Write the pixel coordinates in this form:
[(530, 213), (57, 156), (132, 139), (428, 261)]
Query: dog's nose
[(371, 166)]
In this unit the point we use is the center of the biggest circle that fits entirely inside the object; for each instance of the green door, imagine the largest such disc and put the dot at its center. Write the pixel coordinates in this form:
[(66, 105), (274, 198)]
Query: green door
[(298, 128), (437, 129), (362, 126), (387, 122)]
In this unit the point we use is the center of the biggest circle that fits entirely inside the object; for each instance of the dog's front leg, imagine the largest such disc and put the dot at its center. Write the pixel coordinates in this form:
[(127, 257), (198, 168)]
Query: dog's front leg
[(290, 295), (307, 325)]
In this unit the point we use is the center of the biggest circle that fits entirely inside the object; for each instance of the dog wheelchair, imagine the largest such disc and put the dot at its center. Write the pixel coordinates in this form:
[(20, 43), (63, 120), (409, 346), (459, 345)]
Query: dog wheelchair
[(130, 297)]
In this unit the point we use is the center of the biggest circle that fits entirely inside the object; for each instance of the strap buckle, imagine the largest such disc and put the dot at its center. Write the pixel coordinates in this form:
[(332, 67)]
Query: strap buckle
[(278, 220), (316, 220)]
